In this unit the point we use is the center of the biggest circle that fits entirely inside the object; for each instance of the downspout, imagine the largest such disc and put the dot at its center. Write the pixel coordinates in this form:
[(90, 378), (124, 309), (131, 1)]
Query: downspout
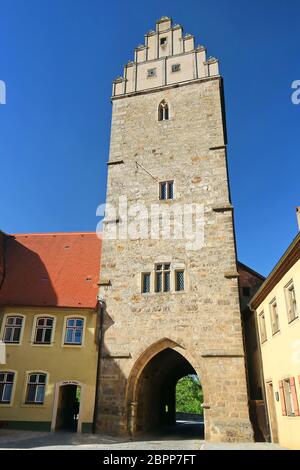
[(100, 314)]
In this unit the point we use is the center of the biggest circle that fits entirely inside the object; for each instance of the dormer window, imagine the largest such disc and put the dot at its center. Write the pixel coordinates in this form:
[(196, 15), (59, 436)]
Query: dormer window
[(175, 67), (163, 41), (151, 73)]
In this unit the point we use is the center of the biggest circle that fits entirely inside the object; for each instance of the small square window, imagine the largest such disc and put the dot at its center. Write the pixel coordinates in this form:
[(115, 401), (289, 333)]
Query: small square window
[(166, 190), (151, 73), (246, 291), (163, 41), (175, 67)]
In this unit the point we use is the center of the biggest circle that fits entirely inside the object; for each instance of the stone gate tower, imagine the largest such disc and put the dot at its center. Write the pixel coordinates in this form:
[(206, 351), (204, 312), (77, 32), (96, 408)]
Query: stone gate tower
[(171, 307)]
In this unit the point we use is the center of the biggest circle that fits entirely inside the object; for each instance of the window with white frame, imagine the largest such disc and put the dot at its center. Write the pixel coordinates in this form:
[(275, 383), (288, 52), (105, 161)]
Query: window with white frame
[(43, 330), (162, 277), (290, 296), (166, 190), (13, 329), (274, 317), (6, 386), (35, 393), (74, 331), (262, 327)]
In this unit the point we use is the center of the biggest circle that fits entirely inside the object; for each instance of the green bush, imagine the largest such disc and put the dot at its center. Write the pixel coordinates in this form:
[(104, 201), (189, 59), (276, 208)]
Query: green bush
[(189, 395)]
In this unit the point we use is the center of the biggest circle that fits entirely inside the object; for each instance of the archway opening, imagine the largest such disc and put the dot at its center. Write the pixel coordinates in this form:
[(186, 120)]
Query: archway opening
[(68, 408), (156, 396), (189, 401)]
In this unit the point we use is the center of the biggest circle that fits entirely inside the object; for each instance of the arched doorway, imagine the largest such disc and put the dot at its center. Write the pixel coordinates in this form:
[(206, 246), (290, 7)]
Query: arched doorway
[(152, 391), (66, 413)]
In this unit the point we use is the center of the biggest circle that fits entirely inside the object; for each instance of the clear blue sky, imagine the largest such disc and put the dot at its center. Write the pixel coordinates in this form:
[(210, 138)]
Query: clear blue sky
[(58, 59)]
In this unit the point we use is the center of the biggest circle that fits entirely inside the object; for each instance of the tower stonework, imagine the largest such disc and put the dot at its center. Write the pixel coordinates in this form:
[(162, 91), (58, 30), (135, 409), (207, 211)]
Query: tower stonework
[(152, 339)]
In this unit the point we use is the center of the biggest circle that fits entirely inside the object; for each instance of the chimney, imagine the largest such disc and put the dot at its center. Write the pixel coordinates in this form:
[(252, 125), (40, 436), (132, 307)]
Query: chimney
[(298, 216)]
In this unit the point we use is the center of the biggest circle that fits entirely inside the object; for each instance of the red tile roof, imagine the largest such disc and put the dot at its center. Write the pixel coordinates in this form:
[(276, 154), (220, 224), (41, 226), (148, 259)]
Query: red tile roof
[(53, 269)]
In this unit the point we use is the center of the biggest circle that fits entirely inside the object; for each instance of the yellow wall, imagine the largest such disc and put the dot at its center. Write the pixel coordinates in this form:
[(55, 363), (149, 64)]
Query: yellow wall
[(60, 362), (281, 354)]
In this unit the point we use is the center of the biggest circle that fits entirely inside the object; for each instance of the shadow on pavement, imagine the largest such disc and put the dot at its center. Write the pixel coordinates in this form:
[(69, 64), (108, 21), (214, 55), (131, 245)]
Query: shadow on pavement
[(183, 430)]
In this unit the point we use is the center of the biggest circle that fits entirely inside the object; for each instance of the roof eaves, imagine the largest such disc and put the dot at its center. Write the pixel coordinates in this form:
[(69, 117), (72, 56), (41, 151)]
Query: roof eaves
[(266, 284)]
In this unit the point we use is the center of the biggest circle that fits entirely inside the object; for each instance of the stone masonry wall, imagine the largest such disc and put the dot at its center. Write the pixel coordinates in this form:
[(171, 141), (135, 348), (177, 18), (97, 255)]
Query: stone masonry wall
[(204, 320)]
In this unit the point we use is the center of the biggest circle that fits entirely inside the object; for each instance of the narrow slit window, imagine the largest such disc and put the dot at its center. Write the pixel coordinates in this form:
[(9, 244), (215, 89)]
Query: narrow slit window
[(179, 281), (146, 284), (162, 277)]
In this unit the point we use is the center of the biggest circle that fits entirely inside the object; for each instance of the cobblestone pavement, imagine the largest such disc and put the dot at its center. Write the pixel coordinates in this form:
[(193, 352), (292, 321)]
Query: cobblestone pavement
[(182, 439)]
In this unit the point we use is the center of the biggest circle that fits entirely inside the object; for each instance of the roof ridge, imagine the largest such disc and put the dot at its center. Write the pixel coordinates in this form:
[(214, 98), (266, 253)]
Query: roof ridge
[(52, 233)]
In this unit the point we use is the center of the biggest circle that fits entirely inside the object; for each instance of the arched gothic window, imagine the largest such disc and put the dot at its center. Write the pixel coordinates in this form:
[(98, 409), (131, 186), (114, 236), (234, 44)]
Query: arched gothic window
[(163, 111)]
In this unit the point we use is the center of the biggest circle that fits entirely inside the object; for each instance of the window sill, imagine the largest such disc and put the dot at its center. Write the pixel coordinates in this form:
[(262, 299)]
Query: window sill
[(66, 345), (6, 405), (42, 344), (163, 293), (275, 333), (292, 321), (33, 405)]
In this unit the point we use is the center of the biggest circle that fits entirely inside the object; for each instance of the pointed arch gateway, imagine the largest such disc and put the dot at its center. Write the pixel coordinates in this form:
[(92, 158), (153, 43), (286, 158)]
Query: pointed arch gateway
[(151, 386)]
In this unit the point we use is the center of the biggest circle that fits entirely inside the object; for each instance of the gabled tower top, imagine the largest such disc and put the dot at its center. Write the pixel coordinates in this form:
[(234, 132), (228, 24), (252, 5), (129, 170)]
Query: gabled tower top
[(166, 58)]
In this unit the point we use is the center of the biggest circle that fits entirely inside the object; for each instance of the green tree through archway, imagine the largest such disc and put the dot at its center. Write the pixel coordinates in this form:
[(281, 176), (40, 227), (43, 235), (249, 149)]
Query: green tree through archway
[(189, 395)]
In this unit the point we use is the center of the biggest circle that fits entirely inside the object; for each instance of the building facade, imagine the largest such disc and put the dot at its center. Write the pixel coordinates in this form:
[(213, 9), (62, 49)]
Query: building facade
[(171, 307), (48, 318), (276, 306)]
